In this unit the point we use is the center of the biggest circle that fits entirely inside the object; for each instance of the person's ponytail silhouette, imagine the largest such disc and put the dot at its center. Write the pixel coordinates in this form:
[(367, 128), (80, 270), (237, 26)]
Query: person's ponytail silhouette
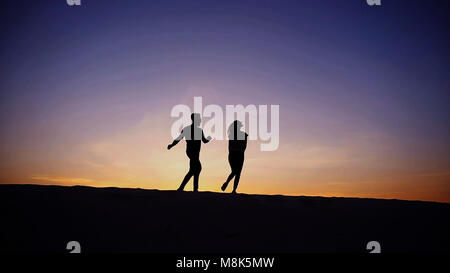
[(236, 147), (193, 135)]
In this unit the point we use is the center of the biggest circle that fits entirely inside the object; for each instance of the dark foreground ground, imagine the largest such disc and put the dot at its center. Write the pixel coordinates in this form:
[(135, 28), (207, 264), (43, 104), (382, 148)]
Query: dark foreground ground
[(45, 218)]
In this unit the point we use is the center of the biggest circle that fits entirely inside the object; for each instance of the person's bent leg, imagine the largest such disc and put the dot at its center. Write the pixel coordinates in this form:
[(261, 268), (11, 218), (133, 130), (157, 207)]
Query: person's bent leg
[(238, 170), (190, 173), (236, 182), (196, 177), (197, 170), (185, 180), (225, 185), (232, 159)]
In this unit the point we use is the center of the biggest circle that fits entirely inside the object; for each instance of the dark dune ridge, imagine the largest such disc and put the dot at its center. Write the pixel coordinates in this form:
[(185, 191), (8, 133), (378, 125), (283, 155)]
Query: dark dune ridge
[(44, 218)]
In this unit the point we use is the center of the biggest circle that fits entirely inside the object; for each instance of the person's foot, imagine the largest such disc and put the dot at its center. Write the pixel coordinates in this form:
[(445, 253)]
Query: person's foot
[(224, 186), (196, 190), (233, 192), (179, 189)]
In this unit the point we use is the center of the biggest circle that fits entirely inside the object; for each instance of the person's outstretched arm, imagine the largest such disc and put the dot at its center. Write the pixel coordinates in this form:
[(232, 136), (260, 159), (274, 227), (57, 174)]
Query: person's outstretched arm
[(205, 140), (175, 141)]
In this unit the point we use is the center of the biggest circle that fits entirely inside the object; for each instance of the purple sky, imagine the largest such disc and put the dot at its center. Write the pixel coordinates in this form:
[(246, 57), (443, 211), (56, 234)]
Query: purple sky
[(86, 92)]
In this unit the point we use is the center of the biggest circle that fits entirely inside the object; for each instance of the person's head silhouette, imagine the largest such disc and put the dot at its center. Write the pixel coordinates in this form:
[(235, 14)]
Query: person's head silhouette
[(234, 128), (196, 119)]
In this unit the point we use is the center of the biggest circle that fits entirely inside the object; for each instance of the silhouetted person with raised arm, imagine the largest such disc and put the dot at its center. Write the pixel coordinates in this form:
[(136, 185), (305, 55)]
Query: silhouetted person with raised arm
[(236, 147), (194, 136)]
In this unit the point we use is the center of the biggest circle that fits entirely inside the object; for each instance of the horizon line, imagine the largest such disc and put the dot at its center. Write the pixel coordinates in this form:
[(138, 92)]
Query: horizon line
[(225, 193)]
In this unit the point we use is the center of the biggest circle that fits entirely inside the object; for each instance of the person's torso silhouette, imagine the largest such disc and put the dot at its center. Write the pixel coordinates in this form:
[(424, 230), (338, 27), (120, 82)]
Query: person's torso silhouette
[(238, 143), (194, 137)]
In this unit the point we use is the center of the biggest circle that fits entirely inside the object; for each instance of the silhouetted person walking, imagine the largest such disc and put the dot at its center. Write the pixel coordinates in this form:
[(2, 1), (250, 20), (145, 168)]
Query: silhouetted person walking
[(236, 147), (193, 135)]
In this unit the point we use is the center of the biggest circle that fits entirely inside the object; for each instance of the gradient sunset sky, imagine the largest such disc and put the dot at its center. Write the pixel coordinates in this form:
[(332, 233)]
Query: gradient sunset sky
[(86, 93)]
